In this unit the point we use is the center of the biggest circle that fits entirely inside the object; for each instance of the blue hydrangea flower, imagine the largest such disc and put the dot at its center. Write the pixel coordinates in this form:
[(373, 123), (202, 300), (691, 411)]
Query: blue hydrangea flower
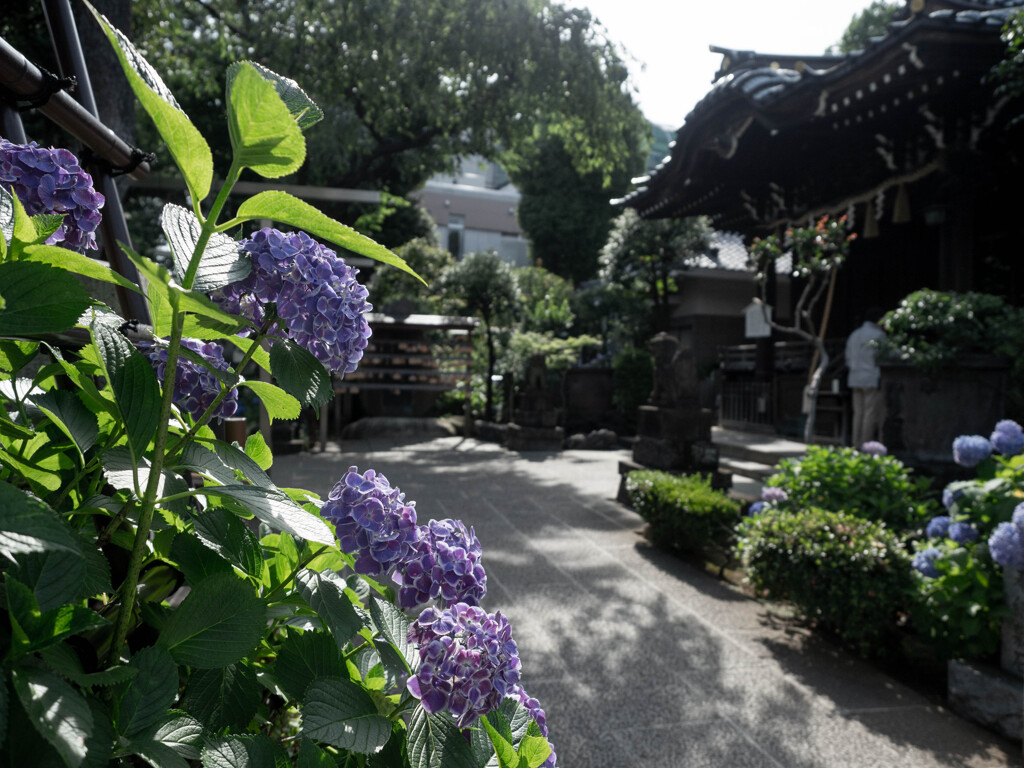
[(949, 495), (195, 387), (924, 562), (1007, 438), (971, 450), (875, 448), (938, 527), (51, 181), (757, 507), (771, 493), (373, 521), (1006, 544), (962, 533), (444, 566), (468, 661), (320, 304), (534, 708)]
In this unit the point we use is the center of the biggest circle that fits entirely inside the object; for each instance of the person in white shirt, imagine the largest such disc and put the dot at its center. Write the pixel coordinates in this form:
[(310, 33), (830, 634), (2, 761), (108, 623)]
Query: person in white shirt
[(863, 379)]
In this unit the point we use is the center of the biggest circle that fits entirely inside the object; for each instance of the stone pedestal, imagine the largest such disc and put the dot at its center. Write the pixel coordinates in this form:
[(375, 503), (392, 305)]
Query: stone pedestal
[(1011, 657), (988, 696), (676, 439)]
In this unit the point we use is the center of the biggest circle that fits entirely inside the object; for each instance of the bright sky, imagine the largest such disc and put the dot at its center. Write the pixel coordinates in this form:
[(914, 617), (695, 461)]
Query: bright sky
[(671, 40)]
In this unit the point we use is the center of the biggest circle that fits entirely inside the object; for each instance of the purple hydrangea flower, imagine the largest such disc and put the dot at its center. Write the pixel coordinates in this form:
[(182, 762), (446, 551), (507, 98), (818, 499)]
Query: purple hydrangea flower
[(757, 508), (320, 305), (875, 448), (962, 533), (1007, 438), (534, 708), (444, 565), (924, 562), (771, 493), (468, 661), (51, 181), (373, 521), (971, 450), (938, 527), (949, 495), (195, 387)]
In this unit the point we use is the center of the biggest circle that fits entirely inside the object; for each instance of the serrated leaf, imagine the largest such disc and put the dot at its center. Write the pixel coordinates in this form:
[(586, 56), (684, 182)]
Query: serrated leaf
[(223, 698), (300, 373), (256, 448), (75, 262), (39, 299), (436, 742), (188, 147), (6, 214), (302, 108), (245, 752), (277, 510), (279, 404), (131, 377), (33, 630), (151, 692), (220, 621), (221, 263), (304, 658), (279, 206), (394, 626), (205, 462), (534, 750), (326, 596), (29, 525), (16, 354), (118, 471), (45, 225), (72, 418), (340, 713), (311, 756), (59, 712), (236, 459), (55, 577), (503, 748), (223, 532), (62, 660), (196, 561), (264, 136)]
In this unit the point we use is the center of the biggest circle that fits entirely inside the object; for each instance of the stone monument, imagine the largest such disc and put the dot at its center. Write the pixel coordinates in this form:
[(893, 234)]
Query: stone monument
[(673, 432), (534, 417)]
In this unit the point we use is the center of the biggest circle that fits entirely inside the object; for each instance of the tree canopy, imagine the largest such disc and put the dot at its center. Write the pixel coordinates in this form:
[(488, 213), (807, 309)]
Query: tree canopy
[(406, 85), (873, 21)]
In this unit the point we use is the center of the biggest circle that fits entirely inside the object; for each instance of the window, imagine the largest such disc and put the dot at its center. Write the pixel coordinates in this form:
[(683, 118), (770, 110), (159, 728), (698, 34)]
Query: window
[(456, 235)]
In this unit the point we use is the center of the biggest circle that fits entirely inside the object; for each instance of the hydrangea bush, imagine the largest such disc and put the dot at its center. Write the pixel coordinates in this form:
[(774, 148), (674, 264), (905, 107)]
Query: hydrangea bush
[(959, 608), (866, 483), (164, 601)]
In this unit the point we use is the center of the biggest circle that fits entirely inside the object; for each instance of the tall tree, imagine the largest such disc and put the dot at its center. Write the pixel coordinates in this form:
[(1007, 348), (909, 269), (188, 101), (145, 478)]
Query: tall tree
[(873, 21), (647, 256), (406, 85), (567, 214)]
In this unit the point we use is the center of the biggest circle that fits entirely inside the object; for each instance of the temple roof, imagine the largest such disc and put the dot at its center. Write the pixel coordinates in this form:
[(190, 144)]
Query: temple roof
[(780, 138)]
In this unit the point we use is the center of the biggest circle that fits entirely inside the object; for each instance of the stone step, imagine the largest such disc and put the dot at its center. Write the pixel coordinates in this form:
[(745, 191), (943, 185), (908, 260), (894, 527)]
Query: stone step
[(754, 447), (755, 470)]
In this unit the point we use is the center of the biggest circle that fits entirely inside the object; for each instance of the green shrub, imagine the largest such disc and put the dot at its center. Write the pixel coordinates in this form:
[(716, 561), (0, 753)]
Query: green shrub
[(847, 480), (632, 380), (959, 611), (847, 574), (682, 510)]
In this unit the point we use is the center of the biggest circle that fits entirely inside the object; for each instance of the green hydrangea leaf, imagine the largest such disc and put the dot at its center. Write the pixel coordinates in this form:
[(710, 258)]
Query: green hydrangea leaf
[(264, 136), (342, 714)]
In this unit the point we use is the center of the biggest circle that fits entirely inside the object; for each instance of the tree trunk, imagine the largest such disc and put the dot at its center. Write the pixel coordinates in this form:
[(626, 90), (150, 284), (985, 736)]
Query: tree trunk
[(489, 384), (812, 389)]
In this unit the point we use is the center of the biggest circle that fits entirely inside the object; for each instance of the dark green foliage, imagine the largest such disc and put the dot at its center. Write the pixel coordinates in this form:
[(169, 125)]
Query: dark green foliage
[(848, 575), (394, 292), (873, 21), (1008, 74), (633, 379), (960, 613), (847, 480), (683, 510)]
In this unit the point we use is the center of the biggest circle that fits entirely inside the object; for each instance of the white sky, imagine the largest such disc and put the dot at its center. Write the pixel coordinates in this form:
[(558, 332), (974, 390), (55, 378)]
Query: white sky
[(671, 40)]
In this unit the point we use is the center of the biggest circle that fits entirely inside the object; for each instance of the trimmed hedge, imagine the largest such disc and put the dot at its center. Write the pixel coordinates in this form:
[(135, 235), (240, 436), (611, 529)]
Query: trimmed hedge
[(683, 510), (849, 575)]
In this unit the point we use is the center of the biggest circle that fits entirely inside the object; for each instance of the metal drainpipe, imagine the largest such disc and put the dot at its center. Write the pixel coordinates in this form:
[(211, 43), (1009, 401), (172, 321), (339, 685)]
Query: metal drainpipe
[(64, 33), (13, 128)]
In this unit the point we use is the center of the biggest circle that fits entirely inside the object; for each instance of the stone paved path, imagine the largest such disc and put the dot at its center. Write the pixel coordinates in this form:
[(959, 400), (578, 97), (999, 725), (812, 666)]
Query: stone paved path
[(638, 658)]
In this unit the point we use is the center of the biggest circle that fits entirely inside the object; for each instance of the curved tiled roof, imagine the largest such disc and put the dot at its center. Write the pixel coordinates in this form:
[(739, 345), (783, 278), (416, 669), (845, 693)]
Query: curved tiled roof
[(777, 91)]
